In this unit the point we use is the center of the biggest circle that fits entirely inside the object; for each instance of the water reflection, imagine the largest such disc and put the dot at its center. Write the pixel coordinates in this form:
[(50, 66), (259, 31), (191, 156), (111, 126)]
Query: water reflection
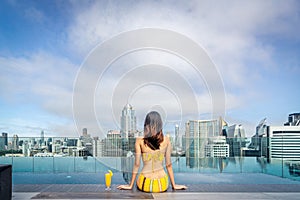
[(294, 168)]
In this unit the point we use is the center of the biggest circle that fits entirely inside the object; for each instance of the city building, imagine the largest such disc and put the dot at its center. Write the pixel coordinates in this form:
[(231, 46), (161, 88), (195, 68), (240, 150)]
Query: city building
[(87, 141), (113, 144), (284, 142), (293, 120), (217, 147), (15, 143), (236, 139), (128, 122), (259, 141), (3, 141), (98, 147), (197, 133), (128, 129), (42, 141)]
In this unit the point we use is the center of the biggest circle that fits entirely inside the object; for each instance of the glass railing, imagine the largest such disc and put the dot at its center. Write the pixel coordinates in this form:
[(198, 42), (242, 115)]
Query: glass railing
[(75, 156)]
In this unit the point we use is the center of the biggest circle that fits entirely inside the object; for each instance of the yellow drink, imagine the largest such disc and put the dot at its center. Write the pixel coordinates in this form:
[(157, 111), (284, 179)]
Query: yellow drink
[(108, 180)]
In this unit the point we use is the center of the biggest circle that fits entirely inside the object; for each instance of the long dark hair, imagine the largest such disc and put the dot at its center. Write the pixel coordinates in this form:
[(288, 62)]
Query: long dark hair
[(153, 134)]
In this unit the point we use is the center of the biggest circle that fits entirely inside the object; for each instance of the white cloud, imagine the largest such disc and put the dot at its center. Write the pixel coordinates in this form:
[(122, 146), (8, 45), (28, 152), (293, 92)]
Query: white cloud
[(231, 32), (40, 79)]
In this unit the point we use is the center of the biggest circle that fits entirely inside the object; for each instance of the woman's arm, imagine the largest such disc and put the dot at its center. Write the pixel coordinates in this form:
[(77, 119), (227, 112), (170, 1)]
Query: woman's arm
[(136, 165), (170, 169)]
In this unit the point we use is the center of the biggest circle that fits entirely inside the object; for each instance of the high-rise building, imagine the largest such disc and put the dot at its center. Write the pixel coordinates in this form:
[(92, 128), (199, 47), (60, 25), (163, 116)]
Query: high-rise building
[(177, 141), (5, 136), (284, 142), (128, 122), (236, 139), (15, 142), (84, 131), (25, 149), (293, 120), (259, 141), (113, 144), (3, 141), (98, 147), (42, 137), (197, 133), (87, 141), (217, 147)]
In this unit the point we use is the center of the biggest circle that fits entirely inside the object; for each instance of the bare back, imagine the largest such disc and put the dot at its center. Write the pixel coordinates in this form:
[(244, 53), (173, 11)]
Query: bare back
[(153, 160)]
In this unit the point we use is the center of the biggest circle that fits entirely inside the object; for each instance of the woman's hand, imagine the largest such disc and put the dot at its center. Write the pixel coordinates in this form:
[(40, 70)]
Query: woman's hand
[(124, 187), (179, 187)]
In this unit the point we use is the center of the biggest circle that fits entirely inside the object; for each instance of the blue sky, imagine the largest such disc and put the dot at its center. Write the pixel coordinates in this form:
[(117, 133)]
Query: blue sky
[(254, 45)]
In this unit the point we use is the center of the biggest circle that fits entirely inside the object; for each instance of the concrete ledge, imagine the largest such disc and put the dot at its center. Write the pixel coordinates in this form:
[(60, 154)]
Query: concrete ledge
[(191, 188), (91, 195)]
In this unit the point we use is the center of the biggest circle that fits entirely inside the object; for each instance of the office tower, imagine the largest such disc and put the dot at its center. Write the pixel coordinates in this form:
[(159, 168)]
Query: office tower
[(5, 136), (197, 133), (217, 147), (72, 142), (42, 137), (25, 149), (98, 147), (84, 131), (112, 144), (293, 120), (87, 141), (284, 142), (15, 142), (128, 122), (259, 141), (236, 139), (3, 141), (177, 144)]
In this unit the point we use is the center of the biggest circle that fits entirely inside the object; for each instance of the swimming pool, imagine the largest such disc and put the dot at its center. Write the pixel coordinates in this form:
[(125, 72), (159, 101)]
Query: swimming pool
[(90, 170)]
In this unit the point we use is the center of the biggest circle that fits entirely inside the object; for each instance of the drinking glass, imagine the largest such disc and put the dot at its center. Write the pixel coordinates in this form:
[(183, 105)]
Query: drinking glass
[(108, 181)]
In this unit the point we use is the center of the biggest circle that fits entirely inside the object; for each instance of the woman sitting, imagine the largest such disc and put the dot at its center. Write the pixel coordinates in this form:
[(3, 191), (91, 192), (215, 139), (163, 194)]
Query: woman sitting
[(154, 148)]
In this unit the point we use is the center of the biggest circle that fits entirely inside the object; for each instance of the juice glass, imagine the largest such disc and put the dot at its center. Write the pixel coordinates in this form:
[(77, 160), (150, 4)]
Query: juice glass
[(108, 181)]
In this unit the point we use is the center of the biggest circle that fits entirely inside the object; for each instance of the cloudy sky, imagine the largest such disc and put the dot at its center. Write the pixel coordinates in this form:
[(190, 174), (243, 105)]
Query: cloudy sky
[(52, 76)]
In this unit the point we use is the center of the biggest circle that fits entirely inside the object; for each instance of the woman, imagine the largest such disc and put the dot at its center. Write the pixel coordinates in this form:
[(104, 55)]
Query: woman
[(153, 148)]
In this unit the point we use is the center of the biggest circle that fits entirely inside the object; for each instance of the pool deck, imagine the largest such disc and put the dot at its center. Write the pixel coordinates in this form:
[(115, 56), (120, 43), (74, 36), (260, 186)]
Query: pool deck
[(204, 186), (201, 191)]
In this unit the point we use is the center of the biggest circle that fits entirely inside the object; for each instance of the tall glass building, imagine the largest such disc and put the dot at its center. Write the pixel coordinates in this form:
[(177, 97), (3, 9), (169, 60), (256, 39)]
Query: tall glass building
[(128, 122), (236, 139), (197, 133)]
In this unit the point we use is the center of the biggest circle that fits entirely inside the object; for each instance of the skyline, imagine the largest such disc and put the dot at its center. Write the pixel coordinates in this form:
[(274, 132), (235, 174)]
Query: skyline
[(254, 47)]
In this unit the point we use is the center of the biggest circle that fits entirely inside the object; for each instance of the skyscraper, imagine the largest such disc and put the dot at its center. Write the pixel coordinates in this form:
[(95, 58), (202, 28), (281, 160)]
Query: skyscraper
[(5, 136), (84, 132), (177, 136), (42, 138), (293, 120), (112, 144), (3, 141), (236, 139), (15, 142), (128, 122), (196, 137)]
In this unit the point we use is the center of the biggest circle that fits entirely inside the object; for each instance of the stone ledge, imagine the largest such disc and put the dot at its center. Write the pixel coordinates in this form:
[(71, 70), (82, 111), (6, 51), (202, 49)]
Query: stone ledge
[(91, 195)]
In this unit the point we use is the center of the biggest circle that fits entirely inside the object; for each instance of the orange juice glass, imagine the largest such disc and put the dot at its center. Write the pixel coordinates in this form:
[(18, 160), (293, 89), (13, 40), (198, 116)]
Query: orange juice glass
[(108, 181)]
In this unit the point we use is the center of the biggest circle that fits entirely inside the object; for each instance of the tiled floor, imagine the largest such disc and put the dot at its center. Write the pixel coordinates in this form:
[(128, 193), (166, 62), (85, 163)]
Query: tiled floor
[(200, 191), (206, 186)]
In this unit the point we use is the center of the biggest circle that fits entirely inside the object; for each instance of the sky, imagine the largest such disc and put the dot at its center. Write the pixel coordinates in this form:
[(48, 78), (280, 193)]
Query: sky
[(56, 76)]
